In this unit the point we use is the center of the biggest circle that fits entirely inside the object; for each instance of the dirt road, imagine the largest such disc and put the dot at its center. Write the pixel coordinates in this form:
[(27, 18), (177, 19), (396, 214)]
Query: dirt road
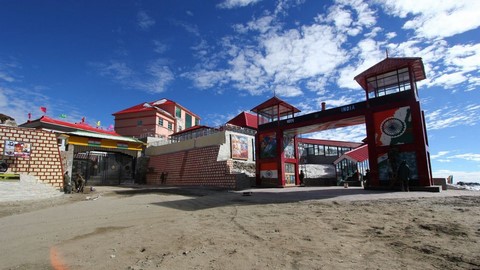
[(286, 229)]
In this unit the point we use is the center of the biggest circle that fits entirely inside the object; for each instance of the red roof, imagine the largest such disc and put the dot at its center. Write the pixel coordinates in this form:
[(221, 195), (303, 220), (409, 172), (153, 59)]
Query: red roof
[(391, 64), (276, 106), (245, 119), (77, 126), (356, 155), (153, 106)]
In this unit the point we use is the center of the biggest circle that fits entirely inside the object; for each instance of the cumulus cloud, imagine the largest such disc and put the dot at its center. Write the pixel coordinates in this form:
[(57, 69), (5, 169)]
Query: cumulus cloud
[(276, 58), (435, 19)]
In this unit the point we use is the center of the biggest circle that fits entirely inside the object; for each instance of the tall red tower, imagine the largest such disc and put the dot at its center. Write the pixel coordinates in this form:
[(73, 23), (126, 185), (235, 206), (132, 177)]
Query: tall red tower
[(394, 120)]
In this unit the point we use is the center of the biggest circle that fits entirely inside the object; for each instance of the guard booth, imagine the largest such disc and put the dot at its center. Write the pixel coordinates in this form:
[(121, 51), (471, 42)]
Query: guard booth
[(394, 121)]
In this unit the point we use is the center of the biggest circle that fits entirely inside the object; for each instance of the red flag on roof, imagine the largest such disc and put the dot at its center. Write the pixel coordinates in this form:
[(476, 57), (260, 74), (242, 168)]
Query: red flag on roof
[(43, 109)]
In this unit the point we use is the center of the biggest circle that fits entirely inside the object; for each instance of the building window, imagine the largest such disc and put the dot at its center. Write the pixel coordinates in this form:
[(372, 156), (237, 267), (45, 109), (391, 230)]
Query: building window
[(160, 122), (389, 83), (139, 122), (197, 122), (170, 126), (188, 120), (331, 151), (178, 112)]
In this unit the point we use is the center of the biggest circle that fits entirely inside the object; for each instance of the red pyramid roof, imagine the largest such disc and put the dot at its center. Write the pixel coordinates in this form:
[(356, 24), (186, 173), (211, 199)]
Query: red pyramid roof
[(274, 103), (244, 119), (391, 64)]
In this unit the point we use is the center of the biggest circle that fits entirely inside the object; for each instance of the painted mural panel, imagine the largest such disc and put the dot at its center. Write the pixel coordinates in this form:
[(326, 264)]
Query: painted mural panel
[(268, 145), (393, 127), (388, 164), (239, 146), (288, 146)]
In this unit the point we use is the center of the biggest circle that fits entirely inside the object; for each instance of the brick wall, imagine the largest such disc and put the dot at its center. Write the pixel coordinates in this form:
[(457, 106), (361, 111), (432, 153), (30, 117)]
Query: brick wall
[(44, 162), (194, 167)]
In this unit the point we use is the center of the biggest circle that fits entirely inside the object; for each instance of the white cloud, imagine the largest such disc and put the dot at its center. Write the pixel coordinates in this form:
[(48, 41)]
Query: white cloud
[(467, 115), (13, 103), (190, 28), (337, 101), (144, 21), (467, 156), (161, 77), (439, 154), (115, 69), (350, 134), (159, 47), (458, 176), (229, 4), (390, 35), (4, 76), (436, 19), (275, 58), (155, 79), (288, 91)]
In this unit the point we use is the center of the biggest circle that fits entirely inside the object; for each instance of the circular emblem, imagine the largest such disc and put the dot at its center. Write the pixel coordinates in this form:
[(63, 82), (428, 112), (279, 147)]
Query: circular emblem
[(393, 127)]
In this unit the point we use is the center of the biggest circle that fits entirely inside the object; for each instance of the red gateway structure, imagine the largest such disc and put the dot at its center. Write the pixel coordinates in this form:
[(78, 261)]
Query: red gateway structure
[(394, 122)]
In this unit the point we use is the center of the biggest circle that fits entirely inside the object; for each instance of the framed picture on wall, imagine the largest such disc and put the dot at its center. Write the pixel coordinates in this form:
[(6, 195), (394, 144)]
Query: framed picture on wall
[(239, 146)]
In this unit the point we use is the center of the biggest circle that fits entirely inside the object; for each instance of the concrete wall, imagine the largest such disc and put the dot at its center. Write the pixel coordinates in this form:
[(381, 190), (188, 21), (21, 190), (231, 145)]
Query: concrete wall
[(45, 161)]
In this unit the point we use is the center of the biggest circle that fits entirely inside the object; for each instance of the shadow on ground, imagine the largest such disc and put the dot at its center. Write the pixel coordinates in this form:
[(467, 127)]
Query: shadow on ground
[(214, 198)]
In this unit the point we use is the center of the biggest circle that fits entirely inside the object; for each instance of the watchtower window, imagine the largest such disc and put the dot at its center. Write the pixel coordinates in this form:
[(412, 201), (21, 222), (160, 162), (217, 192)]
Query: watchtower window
[(389, 83)]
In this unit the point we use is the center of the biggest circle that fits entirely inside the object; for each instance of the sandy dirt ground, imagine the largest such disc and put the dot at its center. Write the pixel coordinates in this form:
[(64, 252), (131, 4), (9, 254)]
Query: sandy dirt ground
[(133, 228)]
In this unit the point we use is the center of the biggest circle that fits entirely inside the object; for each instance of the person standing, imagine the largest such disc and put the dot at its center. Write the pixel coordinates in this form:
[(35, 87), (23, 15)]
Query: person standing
[(67, 183), (403, 174), (301, 176), (366, 178), (80, 182)]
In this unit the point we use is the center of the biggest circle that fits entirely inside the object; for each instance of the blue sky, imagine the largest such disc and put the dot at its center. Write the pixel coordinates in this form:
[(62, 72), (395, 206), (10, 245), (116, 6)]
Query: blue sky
[(218, 58)]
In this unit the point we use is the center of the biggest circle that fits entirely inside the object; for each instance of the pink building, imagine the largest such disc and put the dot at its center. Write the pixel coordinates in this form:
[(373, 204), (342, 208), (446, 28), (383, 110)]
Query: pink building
[(158, 119)]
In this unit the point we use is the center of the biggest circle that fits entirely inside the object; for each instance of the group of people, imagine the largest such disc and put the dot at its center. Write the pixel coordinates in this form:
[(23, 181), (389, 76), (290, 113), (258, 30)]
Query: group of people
[(79, 182)]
